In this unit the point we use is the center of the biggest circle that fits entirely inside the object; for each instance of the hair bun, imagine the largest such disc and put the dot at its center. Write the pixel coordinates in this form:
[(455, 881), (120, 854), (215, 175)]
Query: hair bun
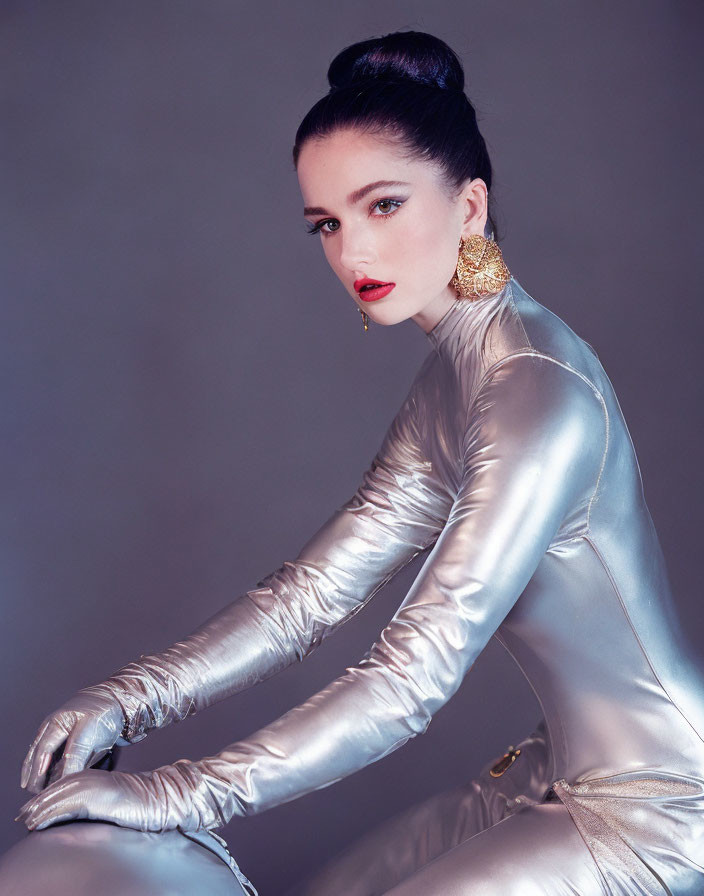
[(401, 55)]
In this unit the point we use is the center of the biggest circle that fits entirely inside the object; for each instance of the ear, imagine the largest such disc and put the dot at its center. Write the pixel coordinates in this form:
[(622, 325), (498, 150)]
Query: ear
[(474, 207)]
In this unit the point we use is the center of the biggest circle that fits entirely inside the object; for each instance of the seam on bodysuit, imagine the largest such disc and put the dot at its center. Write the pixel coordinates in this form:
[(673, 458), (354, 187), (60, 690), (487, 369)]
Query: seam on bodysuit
[(520, 319), (203, 838), (603, 459), (627, 615), (569, 540), (548, 732), (518, 353)]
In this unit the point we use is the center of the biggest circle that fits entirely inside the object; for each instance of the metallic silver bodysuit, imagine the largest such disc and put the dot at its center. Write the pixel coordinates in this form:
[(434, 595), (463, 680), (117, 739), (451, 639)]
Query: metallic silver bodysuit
[(510, 461)]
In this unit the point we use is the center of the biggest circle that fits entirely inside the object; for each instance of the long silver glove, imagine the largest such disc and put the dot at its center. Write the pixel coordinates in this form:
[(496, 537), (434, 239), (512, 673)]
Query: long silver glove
[(397, 511), (530, 458)]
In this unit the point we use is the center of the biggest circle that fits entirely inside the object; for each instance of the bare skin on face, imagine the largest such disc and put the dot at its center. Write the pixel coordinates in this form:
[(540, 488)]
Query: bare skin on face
[(388, 218)]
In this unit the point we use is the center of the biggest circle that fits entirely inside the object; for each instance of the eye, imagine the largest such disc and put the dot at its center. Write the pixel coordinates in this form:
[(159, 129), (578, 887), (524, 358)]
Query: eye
[(317, 227), (389, 206)]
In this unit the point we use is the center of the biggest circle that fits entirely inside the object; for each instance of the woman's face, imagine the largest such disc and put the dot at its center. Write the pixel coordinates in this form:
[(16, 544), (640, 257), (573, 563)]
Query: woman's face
[(405, 231)]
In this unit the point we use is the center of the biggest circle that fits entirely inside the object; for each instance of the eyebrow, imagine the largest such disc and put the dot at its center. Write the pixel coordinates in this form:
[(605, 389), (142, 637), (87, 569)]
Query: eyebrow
[(356, 195)]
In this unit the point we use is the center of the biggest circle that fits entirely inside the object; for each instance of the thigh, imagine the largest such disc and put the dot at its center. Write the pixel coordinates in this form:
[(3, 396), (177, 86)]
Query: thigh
[(396, 848), (536, 851), (399, 846)]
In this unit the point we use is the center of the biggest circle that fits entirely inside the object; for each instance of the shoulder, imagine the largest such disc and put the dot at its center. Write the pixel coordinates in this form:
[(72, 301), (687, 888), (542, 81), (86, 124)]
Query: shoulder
[(535, 398)]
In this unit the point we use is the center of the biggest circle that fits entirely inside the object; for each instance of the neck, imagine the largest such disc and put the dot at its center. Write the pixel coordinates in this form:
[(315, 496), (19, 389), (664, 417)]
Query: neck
[(435, 310)]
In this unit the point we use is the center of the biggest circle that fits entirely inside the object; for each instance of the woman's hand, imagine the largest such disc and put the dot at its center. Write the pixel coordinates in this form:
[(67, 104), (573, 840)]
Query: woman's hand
[(87, 725), (120, 797)]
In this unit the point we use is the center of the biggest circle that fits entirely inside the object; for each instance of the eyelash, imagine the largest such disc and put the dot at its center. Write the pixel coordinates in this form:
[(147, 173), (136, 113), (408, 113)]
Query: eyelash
[(395, 202)]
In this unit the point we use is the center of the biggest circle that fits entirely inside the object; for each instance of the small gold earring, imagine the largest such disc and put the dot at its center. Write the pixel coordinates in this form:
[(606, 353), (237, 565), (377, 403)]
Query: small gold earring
[(365, 319), (480, 269)]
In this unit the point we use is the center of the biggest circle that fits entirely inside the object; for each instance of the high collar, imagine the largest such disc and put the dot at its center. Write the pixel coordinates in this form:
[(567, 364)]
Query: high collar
[(465, 316)]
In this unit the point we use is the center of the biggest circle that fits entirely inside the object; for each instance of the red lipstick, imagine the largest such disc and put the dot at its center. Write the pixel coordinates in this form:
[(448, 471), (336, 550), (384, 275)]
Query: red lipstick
[(370, 290)]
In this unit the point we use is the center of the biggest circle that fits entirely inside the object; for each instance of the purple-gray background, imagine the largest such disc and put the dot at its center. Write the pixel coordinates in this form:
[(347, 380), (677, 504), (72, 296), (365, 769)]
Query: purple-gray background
[(187, 392)]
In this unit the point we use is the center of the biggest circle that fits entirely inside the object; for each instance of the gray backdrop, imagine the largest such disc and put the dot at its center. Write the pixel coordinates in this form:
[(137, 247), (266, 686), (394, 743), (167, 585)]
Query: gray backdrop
[(187, 392)]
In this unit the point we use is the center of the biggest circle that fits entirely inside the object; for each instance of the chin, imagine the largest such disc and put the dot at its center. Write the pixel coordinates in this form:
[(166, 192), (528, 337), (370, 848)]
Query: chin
[(390, 313), (386, 317)]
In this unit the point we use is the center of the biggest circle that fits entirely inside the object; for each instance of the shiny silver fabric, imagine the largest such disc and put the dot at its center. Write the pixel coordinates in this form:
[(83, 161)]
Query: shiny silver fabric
[(94, 859), (510, 461)]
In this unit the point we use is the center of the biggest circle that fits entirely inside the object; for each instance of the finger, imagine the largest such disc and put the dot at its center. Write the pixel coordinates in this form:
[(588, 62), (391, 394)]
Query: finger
[(49, 800), (21, 815), (53, 816), (53, 737), (29, 758), (27, 815), (67, 816), (61, 802), (59, 771), (37, 774), (48, 797), (26, 807), (76, 756)]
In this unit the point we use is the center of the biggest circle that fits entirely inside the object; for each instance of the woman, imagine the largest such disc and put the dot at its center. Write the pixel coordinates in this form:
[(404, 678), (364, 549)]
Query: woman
[(510, 460)]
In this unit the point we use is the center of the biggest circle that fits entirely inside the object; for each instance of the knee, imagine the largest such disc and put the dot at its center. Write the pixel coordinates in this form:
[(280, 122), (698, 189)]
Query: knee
[(84, 858)]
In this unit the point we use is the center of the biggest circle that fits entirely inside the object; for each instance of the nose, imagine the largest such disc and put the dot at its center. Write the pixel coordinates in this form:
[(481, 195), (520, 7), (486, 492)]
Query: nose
[(356, 249)]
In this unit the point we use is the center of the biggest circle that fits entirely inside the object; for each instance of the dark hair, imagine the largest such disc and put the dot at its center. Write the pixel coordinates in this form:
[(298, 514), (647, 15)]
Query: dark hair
[(408, 87)]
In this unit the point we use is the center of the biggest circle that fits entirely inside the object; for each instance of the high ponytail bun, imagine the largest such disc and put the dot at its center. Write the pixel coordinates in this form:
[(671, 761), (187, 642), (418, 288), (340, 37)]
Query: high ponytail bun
[(402, 55), (406, 86)]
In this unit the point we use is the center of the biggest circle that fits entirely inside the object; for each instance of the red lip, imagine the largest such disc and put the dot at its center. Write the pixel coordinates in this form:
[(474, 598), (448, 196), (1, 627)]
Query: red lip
[(370, 295), (358, 284)]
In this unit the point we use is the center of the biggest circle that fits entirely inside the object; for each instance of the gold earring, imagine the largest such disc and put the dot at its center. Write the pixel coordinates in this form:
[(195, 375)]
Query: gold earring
[(365, 319), (480, 269)]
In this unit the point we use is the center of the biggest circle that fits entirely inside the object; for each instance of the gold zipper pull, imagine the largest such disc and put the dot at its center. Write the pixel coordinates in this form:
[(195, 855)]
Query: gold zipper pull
[(498, 768)]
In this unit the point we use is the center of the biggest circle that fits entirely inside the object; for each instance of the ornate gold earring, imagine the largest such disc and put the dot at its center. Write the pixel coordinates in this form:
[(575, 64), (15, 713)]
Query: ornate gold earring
[(480, 269), (365, 319)]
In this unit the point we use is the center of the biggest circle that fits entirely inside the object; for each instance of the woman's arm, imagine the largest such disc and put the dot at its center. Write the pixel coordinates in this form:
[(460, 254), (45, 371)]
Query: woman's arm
[(397, 511), (533, 449)]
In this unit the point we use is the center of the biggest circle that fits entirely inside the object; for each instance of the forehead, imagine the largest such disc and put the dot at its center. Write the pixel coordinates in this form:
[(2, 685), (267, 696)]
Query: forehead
[(332, 166)]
